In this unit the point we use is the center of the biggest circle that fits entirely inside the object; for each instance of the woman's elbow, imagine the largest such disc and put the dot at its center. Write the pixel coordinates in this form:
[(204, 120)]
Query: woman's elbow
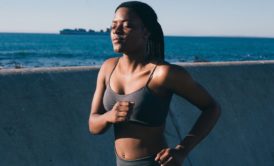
[(95, 130), (216, 110), (92, 128)]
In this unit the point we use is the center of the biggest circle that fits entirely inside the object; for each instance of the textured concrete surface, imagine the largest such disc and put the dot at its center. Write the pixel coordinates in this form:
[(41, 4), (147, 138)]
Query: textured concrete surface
[(44, 117)]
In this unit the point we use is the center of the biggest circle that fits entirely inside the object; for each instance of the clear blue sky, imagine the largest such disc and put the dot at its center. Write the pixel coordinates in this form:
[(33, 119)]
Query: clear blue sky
[(177, 17)]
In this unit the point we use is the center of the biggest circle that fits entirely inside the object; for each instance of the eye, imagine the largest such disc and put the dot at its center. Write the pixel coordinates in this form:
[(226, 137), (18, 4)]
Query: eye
[(127, 25), (113, 26)]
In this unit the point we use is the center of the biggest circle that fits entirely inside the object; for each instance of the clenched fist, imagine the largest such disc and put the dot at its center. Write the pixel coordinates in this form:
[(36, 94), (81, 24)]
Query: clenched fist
[(120, 112)]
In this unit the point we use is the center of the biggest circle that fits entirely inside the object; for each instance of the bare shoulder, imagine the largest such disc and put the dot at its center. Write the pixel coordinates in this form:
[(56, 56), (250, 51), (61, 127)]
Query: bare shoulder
[(109, 64), (177, 80), (106, 69), (168, 73)]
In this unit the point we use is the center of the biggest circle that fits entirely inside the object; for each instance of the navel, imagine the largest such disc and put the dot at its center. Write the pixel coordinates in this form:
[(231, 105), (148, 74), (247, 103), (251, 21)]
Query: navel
[(123, 156)]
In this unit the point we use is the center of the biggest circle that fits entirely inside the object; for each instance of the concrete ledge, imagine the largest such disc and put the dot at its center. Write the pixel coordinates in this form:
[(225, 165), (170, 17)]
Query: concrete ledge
[(47, 70), (231, 63), (85, 68), (44, 114)]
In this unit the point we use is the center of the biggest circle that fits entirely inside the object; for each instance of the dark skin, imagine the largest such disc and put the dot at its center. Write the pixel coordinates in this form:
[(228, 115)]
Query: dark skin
[(132, 140)]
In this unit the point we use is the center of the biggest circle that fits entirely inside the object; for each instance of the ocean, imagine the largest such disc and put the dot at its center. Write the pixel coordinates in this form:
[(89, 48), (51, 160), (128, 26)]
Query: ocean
[(18, 50)]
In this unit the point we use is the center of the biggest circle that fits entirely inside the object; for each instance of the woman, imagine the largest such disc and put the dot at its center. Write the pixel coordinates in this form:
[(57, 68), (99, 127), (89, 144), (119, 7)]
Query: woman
[(133, 93)]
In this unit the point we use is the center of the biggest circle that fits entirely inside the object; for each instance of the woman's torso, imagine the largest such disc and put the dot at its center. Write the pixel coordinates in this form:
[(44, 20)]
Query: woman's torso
[(133, 141), (142, 135)]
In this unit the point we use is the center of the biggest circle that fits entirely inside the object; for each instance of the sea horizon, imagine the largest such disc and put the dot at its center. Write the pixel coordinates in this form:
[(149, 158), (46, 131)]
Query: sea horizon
[(168, 35)]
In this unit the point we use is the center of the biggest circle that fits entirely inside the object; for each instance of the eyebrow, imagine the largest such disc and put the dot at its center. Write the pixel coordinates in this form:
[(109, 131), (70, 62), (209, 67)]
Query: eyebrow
[(126, 20)]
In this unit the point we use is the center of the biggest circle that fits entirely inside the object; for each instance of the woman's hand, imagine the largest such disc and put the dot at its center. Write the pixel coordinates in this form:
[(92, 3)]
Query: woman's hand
[(171, 156), (119, 112)]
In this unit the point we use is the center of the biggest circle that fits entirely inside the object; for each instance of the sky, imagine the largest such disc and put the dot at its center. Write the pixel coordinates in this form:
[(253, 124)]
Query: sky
[(177, 17)]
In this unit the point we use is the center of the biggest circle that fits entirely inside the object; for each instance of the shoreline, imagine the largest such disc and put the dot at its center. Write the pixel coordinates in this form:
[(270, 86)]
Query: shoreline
[(76, 68)]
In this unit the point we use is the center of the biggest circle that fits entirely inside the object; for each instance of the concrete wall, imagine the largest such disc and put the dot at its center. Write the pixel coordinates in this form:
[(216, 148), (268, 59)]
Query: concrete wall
[(44, 117)]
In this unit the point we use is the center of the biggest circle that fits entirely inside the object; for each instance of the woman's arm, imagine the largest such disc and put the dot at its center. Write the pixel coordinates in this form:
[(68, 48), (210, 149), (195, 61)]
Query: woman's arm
[(97, 121), (100, 119), (184, 86), (181, 83)]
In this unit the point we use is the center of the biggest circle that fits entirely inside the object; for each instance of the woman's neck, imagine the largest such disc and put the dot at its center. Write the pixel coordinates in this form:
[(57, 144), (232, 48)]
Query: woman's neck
[(133, 62)]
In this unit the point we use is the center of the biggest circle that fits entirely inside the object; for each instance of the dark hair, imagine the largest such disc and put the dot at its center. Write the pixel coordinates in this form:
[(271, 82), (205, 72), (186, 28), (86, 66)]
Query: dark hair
[(155, 45)]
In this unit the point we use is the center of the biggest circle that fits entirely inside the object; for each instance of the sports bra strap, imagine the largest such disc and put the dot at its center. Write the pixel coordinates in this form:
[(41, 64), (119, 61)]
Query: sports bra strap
[(151, 74), (149, 78), (113, 69)]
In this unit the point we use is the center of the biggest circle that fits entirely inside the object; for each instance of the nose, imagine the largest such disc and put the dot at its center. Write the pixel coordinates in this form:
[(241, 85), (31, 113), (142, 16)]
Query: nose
[(118, 29)]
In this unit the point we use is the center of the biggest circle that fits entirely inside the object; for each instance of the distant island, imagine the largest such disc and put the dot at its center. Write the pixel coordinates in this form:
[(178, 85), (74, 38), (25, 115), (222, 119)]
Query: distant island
[(81, 31)]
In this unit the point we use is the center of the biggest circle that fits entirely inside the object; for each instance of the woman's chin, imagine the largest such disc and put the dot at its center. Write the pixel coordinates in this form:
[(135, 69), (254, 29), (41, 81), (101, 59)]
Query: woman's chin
[(118, 49)]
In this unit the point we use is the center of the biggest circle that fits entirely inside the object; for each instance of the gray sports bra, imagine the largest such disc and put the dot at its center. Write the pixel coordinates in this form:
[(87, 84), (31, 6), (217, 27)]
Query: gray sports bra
[(149, 109)]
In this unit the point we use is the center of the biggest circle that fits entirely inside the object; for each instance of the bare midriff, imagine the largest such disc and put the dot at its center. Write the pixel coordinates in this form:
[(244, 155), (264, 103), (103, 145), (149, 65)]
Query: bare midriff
[(133, 141)]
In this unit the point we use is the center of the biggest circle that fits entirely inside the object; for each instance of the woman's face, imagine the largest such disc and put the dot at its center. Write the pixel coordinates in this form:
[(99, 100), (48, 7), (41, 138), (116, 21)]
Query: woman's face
[(128, 33)]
